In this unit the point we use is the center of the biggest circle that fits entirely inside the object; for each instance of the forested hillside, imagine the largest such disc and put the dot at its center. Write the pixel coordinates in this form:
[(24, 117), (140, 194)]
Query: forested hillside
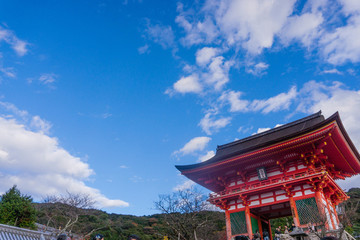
[(117, 226), (209, 225)]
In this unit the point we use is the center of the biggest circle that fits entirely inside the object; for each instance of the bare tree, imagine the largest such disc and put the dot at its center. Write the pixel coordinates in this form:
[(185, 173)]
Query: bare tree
[(348, 214), (184, 214), (63, 211)]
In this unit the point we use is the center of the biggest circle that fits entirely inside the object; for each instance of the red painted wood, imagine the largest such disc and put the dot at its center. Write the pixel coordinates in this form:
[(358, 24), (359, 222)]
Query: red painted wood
[(248, 222), (228, 225)]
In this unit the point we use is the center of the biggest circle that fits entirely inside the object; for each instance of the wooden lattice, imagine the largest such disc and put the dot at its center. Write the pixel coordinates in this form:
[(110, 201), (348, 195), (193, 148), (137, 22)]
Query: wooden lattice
[(238, 223), (308, 211)]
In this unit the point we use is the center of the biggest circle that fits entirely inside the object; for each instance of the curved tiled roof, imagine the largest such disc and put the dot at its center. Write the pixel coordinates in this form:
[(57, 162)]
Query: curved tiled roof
[(270, 137), (259, 140), (15, 233)]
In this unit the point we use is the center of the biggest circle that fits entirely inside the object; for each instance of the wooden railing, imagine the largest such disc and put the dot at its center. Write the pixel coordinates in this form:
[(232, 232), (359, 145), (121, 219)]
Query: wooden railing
[(288, 178)]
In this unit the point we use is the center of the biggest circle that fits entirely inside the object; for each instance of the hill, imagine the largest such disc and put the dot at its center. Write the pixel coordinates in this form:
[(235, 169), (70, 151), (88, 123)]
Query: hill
[(117, 226)]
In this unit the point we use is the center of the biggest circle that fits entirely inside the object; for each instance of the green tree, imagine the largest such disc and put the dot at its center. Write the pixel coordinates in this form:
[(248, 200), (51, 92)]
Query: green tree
[(17, 209)]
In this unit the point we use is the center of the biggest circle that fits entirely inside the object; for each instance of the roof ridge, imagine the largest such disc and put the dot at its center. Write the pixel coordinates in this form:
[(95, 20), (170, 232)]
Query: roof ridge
[(275, 129)]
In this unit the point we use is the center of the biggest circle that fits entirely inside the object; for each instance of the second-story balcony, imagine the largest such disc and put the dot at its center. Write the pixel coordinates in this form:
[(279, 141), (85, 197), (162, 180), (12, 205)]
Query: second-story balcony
[(286, 179)]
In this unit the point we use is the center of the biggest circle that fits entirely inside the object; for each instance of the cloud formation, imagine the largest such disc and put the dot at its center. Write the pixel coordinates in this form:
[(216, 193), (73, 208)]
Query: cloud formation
[(189, 84), (237, 35), (187, 184), (8, 36), (210, 124), (223, 28), (207, 156), (38, 164), (194, 145), (282, 101), (161, 34)]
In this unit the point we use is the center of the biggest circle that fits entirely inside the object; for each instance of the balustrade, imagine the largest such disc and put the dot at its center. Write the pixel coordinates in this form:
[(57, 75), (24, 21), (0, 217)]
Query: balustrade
[(284, 178)]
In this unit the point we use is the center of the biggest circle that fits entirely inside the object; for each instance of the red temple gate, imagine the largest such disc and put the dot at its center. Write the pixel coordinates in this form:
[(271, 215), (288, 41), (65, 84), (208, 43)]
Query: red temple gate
[(286, 171)]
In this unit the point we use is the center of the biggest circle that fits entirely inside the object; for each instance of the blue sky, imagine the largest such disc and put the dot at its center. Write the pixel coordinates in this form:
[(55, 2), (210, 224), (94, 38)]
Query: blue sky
[(104, 97)]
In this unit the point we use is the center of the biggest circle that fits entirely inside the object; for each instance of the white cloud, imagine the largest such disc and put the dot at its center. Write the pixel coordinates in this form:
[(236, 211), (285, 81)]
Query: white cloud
[(143, 49), (19, 46), (236, 103), (193, 35), (38, 164), (257, 69), (205, 54), (34, 123), (351, 6), (342, 45), (244, 129), (47, 78), (106, 115), (136, 179), (212, 74), (207, 156), (329, 98), (316, 96), (218, 72), (9, 107), (8, 71), (189, 84), (40, 124), (210, 125), (279, 102), (194, 145), (197, 32), (184, 186), (260, 130), (304, 28), (162, 35), (332, 71), (252, 24)]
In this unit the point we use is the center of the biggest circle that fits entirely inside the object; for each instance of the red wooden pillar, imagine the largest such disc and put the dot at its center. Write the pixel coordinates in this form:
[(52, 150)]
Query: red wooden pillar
[(260, 228), (330, 214), (294, 211), (228, 225), (321, 207), (336, 215), (248, 221), (270, 232)]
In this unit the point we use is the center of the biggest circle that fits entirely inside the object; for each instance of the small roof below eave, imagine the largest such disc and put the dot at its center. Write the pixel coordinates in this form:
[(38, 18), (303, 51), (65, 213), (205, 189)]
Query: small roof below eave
[(15, 233), (260, 140)]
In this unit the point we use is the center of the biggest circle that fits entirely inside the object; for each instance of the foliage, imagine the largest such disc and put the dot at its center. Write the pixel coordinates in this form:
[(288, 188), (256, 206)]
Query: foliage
[(117, 227), (16, 209), (281, 222), (350, 217), (185, 215), (63, 211)]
